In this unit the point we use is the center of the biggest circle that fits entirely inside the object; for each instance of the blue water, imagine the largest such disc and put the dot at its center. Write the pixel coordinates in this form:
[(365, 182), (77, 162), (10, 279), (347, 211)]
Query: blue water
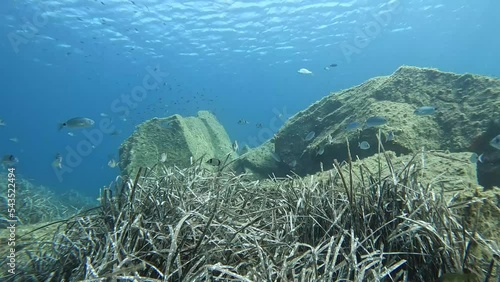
[(238, 59)]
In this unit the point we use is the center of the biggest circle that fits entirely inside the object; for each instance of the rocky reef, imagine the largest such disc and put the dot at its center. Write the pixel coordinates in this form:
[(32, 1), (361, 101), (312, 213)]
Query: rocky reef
[(466, 119), (180, 139)]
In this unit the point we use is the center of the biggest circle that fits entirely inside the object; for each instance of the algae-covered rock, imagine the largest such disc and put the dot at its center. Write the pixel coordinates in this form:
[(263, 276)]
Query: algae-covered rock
[(466, 118), (260, 162), (179, 138)]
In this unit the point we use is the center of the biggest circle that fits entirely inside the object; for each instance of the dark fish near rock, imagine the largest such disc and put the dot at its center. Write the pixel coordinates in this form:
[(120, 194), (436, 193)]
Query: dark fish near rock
[(77, 122), (214, 162), (425, 111)]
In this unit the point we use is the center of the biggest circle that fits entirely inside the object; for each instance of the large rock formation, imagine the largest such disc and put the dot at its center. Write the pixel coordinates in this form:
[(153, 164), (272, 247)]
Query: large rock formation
[(467, 118), (180, 138)]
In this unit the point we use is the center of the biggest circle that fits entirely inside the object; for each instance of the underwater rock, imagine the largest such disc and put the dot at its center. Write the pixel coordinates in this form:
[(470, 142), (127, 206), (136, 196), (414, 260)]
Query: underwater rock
[(466, 106), (260, 162), (180, 138)]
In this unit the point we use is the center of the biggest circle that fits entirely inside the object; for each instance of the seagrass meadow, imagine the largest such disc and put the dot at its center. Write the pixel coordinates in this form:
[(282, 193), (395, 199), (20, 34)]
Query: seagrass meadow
[(349, 223)]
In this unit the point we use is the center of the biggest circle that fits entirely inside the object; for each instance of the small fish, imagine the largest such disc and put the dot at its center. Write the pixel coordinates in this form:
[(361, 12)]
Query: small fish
[(57, 163), (78, 122), (258, 125), (276, 157), (330, 66), (364, 145), (310, 136), (14, 139), (214, 162), (375, 121), (425, 111), (304, 71), (352, 126), (71, 134), (389, 136), (9, 160), (474, 158), (242, 121), (116, 132), (235, 146), (320, 150), (163, 157), (103, 115), (2, 122), (495, 142), (112, 163)]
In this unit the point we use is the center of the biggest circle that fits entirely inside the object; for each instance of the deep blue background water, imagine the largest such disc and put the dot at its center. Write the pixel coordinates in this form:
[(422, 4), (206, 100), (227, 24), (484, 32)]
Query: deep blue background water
[(239, 60)]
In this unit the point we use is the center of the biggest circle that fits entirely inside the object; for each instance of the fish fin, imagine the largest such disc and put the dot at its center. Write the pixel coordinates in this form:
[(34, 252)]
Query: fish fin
[(480, 158)]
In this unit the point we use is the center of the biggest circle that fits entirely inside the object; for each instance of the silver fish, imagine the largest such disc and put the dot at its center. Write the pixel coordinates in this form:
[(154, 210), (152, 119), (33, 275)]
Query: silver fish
[(375, 121), (57, 163), (425, 111), (310, 136), (352, 126), (78, 122), (276, 157), (474, 158), (163, 157), (364, 145), (389, 136), (235, 146), (112, 163), (320, 150), (495, 142)]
